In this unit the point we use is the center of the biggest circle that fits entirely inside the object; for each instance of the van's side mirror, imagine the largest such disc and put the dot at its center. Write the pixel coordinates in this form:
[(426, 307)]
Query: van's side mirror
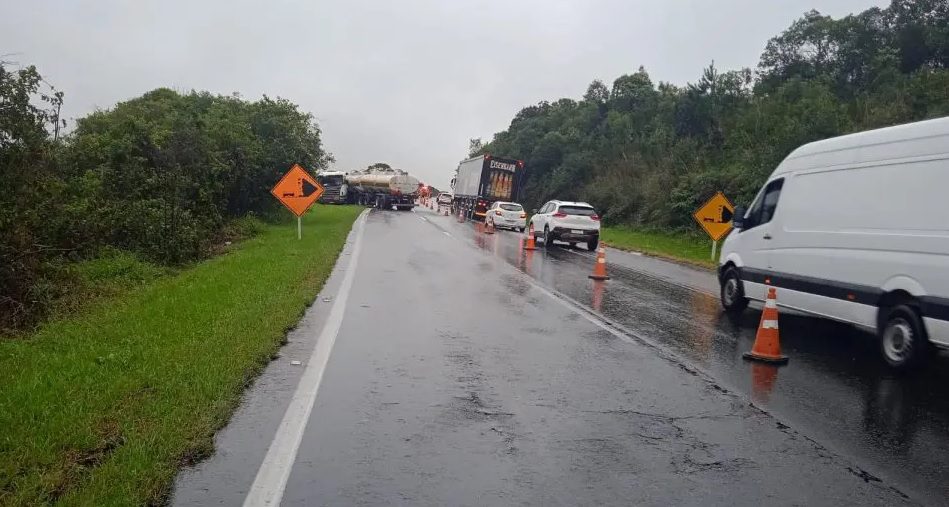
[(738, 218)]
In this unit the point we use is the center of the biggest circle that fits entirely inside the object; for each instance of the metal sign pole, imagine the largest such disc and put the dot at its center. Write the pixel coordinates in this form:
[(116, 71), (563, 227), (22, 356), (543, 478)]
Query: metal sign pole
[(299, 229), (714, 249)]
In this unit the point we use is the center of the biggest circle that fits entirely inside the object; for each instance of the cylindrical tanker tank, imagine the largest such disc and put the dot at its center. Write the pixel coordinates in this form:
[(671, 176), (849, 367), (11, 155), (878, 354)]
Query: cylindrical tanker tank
[(383, 188), (398, 184)]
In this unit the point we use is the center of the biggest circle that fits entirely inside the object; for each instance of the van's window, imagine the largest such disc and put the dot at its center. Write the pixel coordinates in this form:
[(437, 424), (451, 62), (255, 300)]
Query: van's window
[(763, 209), (577, 210), (512, 207)]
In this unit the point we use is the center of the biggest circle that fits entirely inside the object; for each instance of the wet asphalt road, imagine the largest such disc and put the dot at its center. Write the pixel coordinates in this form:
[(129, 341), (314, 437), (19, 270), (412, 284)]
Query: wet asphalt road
[(467, 372)]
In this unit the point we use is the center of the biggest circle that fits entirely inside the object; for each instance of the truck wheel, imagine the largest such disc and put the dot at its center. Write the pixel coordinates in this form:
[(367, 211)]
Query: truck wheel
[(903, 341), (733, 292)]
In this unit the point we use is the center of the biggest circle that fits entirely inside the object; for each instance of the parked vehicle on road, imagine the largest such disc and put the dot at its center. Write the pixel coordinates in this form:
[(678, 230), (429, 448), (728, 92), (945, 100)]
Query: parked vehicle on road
[(444, 199), (484, 179), (507, 215), (572, 222), (334, 186), (382, 188), (856, 229)]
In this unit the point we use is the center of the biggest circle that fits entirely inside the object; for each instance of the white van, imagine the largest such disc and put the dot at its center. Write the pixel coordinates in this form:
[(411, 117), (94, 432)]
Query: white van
[(855, 229)]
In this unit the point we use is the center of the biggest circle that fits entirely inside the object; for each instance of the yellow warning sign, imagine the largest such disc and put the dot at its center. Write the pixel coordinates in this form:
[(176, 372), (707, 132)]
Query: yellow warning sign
[(715, 216), (297, 190)]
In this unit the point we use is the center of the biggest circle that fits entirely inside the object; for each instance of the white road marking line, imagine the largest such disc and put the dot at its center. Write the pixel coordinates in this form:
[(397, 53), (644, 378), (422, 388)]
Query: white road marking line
[(650, 275), (423, 219), (446, 233), (274, 471)]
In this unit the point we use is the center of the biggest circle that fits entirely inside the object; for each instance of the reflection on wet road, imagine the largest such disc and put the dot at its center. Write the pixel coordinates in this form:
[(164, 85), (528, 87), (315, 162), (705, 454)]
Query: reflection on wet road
[(834, 390)]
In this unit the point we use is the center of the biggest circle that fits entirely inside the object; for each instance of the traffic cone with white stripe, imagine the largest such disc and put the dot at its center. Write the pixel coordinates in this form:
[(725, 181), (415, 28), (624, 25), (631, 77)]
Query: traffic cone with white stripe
[(599, 269), (529, 244), (767, 347)]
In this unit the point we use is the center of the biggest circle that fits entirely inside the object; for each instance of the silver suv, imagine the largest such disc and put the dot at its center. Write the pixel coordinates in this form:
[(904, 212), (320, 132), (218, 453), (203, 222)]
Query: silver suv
[(571, 222)]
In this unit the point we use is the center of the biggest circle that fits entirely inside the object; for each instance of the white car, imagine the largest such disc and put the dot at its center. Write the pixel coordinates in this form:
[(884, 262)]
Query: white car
[(571, 222), (443, 199), (854, 229), (510, 215)]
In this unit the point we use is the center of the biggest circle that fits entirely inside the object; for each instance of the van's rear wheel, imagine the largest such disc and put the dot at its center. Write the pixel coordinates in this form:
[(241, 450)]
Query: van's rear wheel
[(903, 340), (733, 292)]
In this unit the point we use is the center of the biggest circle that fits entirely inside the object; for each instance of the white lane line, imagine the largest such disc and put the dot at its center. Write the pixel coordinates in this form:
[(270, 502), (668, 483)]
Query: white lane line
[(423, 219), (446, 233), (650, 275), (271, 480)]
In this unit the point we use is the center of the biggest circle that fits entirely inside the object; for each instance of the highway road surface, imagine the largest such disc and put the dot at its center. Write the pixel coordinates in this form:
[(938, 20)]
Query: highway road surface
[(442, 366)]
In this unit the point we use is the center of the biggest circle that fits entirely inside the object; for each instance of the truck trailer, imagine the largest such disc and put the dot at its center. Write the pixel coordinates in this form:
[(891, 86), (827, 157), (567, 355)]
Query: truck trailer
[(483, 180), (382, 188)]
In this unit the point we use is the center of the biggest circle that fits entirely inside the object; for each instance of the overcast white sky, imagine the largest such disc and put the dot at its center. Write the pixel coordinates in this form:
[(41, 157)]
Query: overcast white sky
[(407, 82)]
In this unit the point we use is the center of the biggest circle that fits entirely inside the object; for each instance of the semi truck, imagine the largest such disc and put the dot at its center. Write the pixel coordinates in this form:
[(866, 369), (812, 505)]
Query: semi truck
[(334, 186), (382, 188), (483, 180)]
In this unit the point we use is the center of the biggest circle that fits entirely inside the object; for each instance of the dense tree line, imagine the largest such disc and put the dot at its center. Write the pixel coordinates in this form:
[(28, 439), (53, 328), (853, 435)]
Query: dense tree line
[(647, 155), (159, 176)]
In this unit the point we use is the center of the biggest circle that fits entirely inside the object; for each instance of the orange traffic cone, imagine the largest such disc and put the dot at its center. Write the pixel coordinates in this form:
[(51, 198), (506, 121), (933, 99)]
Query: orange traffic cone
[(488, 227), (599, 269), (529, 244), (767, 347)]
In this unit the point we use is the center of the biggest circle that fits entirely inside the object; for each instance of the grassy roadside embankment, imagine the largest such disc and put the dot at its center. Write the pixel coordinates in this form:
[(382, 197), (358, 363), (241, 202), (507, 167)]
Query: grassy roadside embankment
[(101, 407), (687, 248)]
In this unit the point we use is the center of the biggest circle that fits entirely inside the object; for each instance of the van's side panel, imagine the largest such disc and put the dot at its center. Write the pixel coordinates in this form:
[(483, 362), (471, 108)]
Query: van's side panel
[(862, 226), (938, 330)]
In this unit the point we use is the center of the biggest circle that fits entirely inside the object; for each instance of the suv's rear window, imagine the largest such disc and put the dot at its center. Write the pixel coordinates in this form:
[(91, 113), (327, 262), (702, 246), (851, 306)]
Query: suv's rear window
[(512, 207), (577, 210)]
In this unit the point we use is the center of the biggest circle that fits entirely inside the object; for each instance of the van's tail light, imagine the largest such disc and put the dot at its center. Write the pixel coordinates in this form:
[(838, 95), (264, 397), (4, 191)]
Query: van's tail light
[(560, 215), (595, 217), (498, 212), (523, 215)]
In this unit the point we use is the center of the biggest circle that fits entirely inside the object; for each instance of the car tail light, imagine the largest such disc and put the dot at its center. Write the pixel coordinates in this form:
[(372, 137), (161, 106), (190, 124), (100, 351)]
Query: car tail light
[(523, 215), (595, 217), (560, 215), (497, 212)]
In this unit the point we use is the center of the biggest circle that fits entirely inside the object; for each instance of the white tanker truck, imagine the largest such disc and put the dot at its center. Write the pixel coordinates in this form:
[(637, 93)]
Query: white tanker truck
[(382, 188)]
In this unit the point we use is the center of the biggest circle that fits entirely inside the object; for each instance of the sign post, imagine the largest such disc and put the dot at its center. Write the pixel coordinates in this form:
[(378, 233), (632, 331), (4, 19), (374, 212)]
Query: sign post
[(715, 217), (297, 190)]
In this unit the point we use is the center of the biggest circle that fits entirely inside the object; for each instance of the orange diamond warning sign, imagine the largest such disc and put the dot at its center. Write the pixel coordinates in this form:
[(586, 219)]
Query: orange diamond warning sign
[(297, 190), (715, 216)]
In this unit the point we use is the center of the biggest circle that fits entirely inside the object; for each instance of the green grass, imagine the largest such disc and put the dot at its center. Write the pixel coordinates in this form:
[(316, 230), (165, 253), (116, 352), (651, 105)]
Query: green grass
[(103, 406), (691, 249)]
